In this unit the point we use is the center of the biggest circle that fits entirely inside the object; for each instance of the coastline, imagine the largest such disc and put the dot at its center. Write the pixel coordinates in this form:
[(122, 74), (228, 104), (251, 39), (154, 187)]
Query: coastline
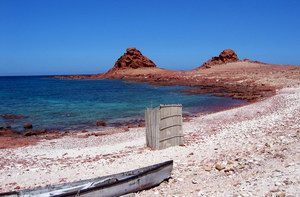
[(237, 151), (246, 80), (249, 137), (10, 138)]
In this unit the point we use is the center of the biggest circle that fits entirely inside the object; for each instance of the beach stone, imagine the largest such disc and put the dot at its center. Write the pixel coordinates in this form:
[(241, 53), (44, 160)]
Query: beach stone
[(101, 123), (208, 168), (27, 126), (275, 189), (219, 166), (269, 194), (17, 187), (194, 182), (201, 193), (7, 132), (229, 168), (4, 126), (280, 194), (35, 132)]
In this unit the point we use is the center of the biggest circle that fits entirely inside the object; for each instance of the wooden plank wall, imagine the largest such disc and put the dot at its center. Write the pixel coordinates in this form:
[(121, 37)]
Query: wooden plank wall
[(152, 117), (164, 126)]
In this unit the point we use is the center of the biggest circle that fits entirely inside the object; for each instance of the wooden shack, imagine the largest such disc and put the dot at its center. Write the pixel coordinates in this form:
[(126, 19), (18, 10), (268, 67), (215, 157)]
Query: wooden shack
[(164, 126)]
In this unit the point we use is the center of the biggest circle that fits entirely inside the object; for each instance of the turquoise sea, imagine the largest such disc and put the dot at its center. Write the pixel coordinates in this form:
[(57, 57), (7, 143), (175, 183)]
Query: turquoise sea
[(50, 103)]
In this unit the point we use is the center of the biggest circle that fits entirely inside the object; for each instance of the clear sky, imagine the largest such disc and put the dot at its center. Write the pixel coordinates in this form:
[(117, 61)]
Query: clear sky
[(87, 36)]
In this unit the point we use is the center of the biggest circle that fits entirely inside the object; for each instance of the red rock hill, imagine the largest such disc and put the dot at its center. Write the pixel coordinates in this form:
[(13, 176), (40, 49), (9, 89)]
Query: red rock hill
[(226, 56), (134, 59)]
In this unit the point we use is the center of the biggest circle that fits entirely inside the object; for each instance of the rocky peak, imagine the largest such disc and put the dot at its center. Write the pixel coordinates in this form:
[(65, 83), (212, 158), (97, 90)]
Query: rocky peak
[(133, 58), (226, 56)]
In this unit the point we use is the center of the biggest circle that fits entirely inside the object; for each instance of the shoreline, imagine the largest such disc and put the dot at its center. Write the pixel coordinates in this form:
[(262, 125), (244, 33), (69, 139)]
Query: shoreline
[(10, 138), (249, 137), (243, 79), (250, 150)]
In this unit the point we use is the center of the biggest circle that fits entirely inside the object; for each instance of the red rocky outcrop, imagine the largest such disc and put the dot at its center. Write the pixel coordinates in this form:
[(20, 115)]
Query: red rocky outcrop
[(133, 58), (226, 56)]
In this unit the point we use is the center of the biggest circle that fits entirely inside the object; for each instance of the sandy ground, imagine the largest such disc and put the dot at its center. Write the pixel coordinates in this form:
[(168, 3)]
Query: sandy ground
[(252, 150)]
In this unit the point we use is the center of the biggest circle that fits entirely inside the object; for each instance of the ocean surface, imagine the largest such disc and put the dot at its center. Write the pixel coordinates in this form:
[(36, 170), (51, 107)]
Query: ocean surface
[(51, 103)]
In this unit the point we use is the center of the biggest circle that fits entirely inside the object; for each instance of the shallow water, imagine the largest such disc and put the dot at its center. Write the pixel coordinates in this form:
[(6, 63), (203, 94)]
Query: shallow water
[(77, 104)]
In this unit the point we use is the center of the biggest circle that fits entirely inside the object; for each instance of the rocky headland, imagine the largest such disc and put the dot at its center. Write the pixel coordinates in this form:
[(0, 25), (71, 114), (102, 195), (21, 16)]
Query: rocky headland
[(223, 75)]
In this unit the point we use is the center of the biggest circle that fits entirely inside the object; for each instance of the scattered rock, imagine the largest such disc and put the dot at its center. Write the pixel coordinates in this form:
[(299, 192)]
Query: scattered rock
[(125, 128), (269, 194), (35, 132), (236, 183), (208, 168), (8, 133), (201, 193), (194, 182), (219, 166), (27, 126), (101, 123), (280, 194), (278, 184), (4, 126), (17, 187), (229, 168), (275, 189)]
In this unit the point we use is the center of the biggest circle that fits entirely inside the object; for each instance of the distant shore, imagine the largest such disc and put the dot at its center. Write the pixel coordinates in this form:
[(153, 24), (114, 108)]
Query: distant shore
[(250, 81)]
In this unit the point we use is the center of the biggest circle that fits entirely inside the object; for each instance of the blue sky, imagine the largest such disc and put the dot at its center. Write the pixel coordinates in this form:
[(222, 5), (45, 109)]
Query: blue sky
[(87, 36)]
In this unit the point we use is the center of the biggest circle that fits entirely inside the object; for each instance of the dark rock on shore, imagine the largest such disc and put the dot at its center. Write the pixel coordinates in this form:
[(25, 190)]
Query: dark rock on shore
[(101, 123), (130, 124), (8, 133), (35, 132), (27, 126), (12, 116), (226, 56), (4, 126), (243, 91)]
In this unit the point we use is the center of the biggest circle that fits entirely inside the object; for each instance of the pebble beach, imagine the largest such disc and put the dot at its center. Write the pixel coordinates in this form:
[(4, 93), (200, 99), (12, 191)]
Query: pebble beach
[(252, 150)]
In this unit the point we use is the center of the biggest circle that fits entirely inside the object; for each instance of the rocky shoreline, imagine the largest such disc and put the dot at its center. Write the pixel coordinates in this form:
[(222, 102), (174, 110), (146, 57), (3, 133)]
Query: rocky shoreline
[(247, 151), (10, 138), (223, 75)]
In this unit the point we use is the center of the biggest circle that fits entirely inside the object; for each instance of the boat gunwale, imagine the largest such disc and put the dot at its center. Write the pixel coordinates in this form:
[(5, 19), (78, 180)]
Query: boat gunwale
[(152, 168), (145, 170)]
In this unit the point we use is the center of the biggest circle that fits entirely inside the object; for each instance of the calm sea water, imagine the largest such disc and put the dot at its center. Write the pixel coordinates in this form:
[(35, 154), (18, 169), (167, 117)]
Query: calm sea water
[(77, 104)]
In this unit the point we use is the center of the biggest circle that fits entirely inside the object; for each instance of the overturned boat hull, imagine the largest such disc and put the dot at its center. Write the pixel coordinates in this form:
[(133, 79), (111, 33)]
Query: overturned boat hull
[(112, 185)]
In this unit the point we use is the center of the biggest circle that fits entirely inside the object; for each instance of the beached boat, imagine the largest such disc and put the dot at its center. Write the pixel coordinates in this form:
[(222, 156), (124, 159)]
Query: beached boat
[(112, 185)]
